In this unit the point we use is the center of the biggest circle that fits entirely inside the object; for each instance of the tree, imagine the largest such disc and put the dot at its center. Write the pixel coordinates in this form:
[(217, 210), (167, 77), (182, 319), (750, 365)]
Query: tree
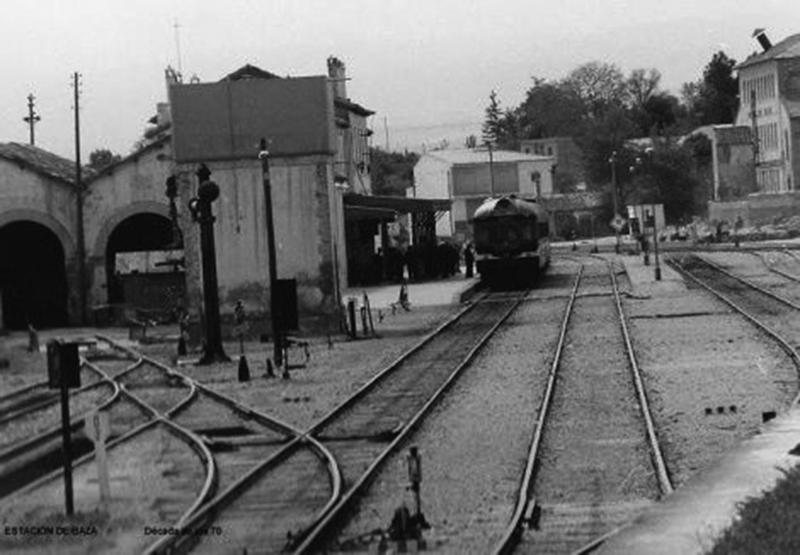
[(642, 85), (549, 110), (714, 98), (601, 138), (392, 172), (653, 110), (492, 130), (471, 142), (664, 175), (102, 158), (657, 115), (600, 86)]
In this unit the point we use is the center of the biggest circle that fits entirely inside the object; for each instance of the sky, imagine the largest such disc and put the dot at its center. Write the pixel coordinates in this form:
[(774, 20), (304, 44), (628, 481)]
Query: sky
[(426, 67)]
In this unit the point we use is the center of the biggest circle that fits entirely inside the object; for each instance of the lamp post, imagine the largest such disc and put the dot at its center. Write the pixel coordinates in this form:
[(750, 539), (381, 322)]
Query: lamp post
[(612, 160), (200, 207), (277, 338), (655, 244)]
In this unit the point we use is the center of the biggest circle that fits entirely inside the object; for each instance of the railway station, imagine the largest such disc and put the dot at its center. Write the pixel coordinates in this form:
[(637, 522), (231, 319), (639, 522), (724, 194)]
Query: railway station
[(216, 417), (235, 340)]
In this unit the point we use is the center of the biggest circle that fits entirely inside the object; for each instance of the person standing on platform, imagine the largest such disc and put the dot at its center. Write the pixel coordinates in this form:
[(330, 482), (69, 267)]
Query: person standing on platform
[(469, 259)]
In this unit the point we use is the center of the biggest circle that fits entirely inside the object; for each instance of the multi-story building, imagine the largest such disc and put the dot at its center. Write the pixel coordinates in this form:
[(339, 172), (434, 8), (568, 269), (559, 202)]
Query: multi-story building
[(94, 264), (567, 160), (769, 103), (468, 177)]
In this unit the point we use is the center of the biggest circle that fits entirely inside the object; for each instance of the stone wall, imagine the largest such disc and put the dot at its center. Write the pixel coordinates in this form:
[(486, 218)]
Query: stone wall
[(757, 209)]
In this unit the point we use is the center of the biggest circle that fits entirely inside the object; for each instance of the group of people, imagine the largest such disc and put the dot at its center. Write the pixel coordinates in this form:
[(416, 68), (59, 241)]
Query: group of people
[(417, 263)]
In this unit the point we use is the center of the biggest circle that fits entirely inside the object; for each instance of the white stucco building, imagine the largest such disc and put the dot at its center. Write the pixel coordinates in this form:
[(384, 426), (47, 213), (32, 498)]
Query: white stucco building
[(769, 103), (468, 177)]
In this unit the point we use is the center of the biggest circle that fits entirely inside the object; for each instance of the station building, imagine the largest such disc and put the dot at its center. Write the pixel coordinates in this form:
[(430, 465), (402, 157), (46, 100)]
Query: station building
[(135, 253)]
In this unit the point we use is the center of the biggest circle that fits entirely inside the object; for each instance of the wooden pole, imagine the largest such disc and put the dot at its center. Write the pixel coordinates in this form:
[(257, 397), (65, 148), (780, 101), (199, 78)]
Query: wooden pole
[(32, 118), (277, 337), (79, 203)]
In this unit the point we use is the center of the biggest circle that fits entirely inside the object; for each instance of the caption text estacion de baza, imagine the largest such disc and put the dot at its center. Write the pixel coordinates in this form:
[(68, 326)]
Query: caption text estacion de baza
[(87, 530), (90, 530)]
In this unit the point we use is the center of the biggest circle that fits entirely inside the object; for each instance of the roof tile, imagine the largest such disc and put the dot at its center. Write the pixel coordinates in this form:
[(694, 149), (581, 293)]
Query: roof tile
[(41, 161)]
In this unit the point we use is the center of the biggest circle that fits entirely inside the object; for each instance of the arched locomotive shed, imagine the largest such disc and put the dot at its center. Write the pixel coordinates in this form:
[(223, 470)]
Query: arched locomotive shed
[(38, 267), (138, 233), (33, 278)]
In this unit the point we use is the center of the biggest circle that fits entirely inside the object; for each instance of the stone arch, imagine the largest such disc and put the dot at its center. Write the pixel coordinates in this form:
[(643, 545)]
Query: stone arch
[(43, 218), (143, 207), (34, 282)]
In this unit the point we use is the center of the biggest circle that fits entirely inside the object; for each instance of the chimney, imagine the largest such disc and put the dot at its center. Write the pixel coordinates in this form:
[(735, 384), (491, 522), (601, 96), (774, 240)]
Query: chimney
[(761, 36), (337, 75)]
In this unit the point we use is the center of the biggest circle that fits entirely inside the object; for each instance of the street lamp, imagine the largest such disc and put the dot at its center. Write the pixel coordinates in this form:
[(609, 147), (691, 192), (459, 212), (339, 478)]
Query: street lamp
[(655, 244), (612, 160)]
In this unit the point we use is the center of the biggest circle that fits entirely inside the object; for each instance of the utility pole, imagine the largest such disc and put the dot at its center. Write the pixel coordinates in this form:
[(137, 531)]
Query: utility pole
[(79, 200), (277, 332), (491, 169), (32, 118)]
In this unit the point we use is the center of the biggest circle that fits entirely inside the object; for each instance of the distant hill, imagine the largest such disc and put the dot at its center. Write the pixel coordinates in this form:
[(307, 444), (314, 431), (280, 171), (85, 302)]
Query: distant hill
[(417, 138)]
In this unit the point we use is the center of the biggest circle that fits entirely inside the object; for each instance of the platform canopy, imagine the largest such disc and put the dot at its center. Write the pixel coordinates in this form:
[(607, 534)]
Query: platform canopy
[(400, 205)]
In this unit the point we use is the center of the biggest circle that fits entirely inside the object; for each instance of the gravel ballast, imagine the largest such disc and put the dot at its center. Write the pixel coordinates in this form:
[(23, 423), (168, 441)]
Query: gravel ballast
[(474, 444)]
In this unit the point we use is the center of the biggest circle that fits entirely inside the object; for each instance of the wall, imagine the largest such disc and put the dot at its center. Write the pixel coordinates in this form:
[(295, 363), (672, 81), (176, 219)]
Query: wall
[(307, 221), (566, 154), (432, 180), (527, 186), (735, 169), (137, 185), (352, 151), (756, 210)]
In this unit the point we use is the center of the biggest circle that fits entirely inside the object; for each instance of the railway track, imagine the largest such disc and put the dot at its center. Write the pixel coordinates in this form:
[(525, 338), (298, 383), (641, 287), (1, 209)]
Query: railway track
[(249, 486), (370, 427), (771, 312), (30, 426), (186, 443), (594, 461)]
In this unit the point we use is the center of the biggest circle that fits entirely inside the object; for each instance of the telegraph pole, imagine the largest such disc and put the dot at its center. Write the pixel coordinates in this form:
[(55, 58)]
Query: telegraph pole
[(491, 169), (79, 199), (32, 118)]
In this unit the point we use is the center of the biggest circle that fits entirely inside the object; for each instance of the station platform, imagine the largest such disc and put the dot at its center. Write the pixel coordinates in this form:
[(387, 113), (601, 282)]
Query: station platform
[(690, 519), (452, 290), (643, 277)]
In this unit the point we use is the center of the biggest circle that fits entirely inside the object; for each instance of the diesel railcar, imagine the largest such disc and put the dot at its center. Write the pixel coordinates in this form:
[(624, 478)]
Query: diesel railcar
[(512, 239)]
